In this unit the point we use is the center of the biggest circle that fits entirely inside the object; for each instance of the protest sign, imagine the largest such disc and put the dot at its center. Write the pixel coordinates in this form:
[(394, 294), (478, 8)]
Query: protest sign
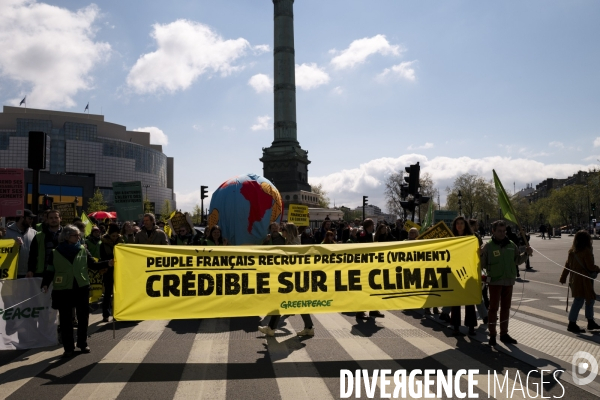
[(298, 215), (410, 224), (12, 193), (9, 259), (168, 282), (68, 212), (27, 320), (439, 230), (128, 200)]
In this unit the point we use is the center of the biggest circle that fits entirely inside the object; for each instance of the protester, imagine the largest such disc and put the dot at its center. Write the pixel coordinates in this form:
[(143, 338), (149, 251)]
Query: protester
[(580, 265), (306, 237), (23, 233), (150, 234), (40, 226), (93, 242), (543, 231), (366, 236), (184, 237), (382, 235), (329, 238), (274, 237), (460, 227), (67, 271), (481, 307), (319, 235), (107, 252), (353, 236), (413, 234), (215, 238), (45, 241), (498, 257), (128, 232)]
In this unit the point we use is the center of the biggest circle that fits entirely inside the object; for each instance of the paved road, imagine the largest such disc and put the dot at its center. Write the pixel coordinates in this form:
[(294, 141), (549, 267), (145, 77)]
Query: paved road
[(229, 358)]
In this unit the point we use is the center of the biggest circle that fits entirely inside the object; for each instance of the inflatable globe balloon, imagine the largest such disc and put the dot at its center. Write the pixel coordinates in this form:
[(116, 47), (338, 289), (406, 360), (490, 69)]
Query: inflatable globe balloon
[(243, 207)]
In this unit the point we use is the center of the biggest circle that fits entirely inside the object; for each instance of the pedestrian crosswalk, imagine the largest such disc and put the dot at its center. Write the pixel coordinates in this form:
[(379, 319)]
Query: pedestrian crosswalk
[(229, 358)]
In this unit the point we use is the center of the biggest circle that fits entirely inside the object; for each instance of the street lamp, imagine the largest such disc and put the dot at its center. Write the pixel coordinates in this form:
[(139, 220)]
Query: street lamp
[(146, 186), (459, 203)]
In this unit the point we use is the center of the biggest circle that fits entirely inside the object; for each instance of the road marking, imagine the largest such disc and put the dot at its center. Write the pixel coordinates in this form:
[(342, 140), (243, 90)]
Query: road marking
[(33, 362), (117, 367), (549, 284), (307, 383), (211, 346)]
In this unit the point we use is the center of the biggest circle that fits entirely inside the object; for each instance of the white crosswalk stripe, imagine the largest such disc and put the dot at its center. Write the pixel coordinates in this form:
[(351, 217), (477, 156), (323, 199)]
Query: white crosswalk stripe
[(294, 372)]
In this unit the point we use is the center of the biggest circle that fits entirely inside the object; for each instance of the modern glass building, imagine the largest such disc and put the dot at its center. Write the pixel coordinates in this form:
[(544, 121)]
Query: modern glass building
[(84, 153)]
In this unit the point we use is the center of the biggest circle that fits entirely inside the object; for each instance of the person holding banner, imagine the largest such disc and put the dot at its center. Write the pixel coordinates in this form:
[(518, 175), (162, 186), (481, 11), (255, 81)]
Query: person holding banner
[(292, 239), (107, 252), (499, 256), (215, 238), (93, 242), (580, 265), (67, 271), (22, 229), (460, 227), (366, 236)]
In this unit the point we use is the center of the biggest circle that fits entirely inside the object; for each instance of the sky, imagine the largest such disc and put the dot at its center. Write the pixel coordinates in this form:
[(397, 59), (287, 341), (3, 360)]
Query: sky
[(459, 86)]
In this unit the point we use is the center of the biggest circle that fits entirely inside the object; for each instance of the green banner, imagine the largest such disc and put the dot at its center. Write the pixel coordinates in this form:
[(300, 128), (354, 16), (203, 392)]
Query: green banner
[(128, 200)]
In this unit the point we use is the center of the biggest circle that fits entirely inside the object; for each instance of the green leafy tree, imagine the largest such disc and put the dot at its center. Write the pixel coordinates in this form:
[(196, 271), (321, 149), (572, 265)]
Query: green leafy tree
[(165, 210), (97, 203), (479, 197), (321, 195), (148, 208), (197, 214)]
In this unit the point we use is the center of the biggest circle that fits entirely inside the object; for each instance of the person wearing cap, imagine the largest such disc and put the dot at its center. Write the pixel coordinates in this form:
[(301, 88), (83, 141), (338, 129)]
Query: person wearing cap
[(107, 252), (23, 233), (93, 242)]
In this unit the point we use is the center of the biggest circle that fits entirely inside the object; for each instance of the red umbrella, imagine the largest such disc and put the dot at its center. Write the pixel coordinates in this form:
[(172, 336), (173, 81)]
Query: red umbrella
[(100, 215)]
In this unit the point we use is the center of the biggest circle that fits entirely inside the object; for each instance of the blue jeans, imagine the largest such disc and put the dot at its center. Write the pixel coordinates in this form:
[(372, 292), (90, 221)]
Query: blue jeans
[(576, 306)]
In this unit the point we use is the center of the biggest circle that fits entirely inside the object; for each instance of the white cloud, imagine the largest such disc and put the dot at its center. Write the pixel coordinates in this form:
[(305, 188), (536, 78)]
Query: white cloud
[(558, 145), (310, 76), (187, 201), (261, 48), (427, 145), (347, 186), (360, 49), (337, 90), (263, 123), (403, 70), (261, 83), (50, 50), (597, 142), (157, 136), (186, 50)]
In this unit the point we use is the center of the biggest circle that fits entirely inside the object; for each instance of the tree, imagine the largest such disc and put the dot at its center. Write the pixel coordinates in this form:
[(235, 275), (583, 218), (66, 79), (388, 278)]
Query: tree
[(477, 195), (197, 214), (97, 203), (321, 195), (350, 215), (165, 211), (148, 208), (392, 193)]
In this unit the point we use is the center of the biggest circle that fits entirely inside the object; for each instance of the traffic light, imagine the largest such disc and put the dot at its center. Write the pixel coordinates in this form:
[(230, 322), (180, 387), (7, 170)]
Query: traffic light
[(47, 202), (203, 192), (365, 200), (413, 178), (593, 207), (403, 191)]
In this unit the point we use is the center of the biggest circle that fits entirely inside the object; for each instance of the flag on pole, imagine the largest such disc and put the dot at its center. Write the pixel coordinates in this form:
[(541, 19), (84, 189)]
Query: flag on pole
[(87, 108), (507, 209), (88, 224), (428, 222), (23, 101)]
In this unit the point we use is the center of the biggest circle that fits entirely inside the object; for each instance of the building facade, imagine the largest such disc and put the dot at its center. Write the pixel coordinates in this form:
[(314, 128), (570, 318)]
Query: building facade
[(84, 153)]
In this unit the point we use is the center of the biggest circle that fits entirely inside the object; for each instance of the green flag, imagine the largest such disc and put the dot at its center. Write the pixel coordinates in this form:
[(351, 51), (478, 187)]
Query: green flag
[(428, 218), (507, 209), (88, 224)]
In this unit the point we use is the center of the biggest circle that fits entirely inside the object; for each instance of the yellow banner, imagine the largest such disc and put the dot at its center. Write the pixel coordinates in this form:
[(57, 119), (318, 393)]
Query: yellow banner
[(180, 282), (9, 259), (298, 214)]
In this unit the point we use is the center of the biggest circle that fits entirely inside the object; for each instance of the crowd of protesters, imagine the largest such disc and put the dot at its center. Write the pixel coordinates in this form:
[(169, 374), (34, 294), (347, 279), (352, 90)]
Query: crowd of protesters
[(61, 255)]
